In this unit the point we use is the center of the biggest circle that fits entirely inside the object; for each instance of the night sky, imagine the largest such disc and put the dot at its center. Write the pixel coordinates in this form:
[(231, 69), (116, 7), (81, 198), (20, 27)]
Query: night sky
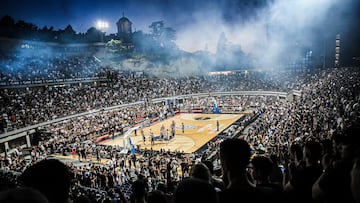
[(199, 23), (82, 14)]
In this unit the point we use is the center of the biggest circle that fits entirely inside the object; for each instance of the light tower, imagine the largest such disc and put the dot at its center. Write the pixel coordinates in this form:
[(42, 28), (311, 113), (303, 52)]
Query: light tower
[(337, 51), (102, 26)]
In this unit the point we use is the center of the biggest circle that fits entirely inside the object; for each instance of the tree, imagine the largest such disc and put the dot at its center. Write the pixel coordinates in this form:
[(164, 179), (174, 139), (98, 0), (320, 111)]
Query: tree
[(69, 30), (7, 25), (92, 35), (221, 45), (46, 33), (26, 30), (7, 21), (67, 35), (221, 52), (156, 28), (164, 37), (230, 55)]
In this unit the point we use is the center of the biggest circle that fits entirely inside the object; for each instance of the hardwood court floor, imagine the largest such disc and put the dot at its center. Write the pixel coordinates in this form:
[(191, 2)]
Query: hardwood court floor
[(199, 129)]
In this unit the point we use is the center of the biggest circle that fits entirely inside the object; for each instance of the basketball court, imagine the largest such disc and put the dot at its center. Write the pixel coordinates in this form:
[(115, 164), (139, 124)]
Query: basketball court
[(191, 132)]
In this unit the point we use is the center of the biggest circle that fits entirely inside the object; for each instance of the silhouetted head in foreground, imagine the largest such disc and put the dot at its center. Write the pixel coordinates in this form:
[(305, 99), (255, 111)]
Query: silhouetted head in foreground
[(21, 195), (235, 157), (193, 190), (51, 177)]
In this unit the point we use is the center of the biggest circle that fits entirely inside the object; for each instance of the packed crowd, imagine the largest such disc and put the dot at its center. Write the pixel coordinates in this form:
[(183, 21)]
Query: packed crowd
[(21, 107), (313, 139), (30, 66)]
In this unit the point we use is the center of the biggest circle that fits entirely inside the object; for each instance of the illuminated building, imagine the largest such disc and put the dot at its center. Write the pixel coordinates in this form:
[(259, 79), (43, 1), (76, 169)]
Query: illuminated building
[(124, 27)]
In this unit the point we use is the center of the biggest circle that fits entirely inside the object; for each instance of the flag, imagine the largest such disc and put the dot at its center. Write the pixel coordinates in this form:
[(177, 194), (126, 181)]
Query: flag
[(215, 108), (132, 148)]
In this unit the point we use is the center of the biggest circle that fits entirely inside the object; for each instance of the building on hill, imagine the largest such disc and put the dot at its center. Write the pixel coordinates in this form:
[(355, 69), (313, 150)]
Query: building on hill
[(124, 27)]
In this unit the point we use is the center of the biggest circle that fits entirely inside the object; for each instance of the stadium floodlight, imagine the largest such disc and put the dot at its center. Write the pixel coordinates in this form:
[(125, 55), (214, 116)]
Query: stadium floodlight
[(102, 26)]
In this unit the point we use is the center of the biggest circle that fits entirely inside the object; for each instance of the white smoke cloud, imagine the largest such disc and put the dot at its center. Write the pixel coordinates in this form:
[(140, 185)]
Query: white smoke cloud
[(279, 27)]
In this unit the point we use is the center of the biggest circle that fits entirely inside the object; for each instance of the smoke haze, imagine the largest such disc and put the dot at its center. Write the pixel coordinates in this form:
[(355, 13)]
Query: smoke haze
[(269, 30), (272, 33)]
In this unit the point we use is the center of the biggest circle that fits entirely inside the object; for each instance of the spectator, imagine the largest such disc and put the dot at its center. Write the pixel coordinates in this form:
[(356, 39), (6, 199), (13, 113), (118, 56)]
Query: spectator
[(303, 177), (157, 196), (355, 181), (51, 177), (334, 184), (200, 171), (262, 167), (138, 192), (216, 182), (22, 194), (277, 173), (193, 190), (235, 157)]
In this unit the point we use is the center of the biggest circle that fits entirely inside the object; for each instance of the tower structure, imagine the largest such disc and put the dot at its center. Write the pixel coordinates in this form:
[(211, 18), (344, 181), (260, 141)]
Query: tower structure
[(337, 51), (124, 27)]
